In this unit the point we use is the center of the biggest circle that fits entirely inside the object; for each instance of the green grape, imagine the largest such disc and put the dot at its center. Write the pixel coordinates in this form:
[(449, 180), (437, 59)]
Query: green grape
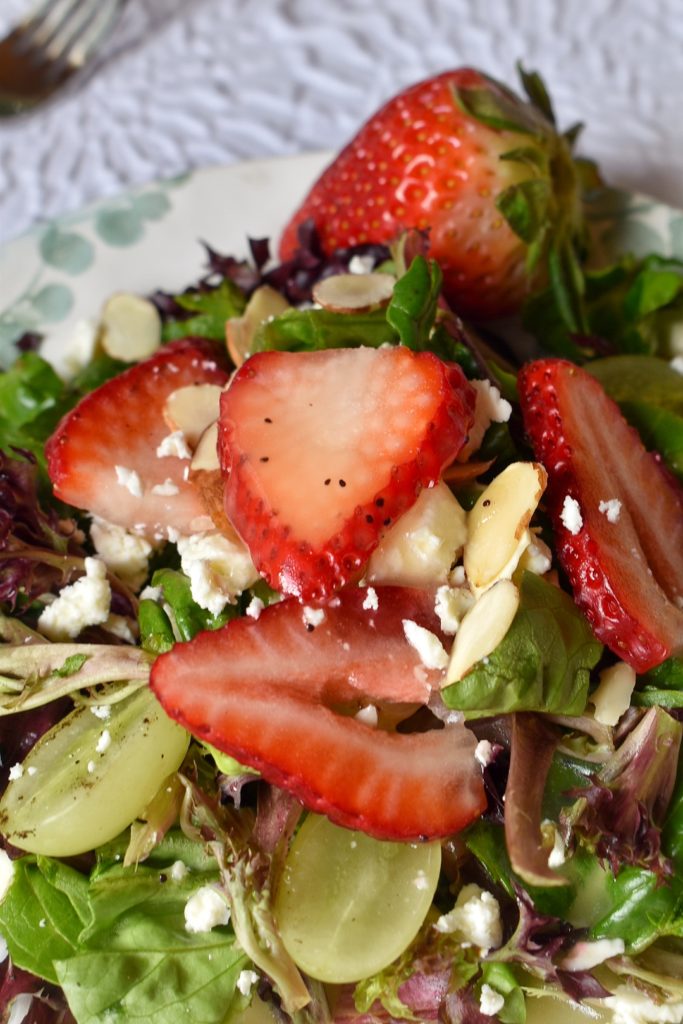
[(72, 798), (542, 1009), (347, 904)]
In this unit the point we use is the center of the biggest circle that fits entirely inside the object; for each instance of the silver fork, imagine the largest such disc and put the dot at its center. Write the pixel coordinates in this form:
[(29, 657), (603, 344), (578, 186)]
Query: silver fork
[(49, 46)]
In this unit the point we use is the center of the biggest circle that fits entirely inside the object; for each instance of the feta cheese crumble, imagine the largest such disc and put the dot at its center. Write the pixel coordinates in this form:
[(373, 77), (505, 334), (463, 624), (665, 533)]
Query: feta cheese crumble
[(167, 489), (428, 646), (174, 445), (629, 1006), (104, 742), (206, 909), (476, 916), (83, 603), (129, 479), (490, 1001), (246, 981), (254, 608), (101, 711), (361, 264), (611, 509), (368, 716), (313, 616), (178, 871), (16, 772), (490, 408), (371, 602), (218, 567), (483, 753), (451, 604), (124, 553), (571, 517)]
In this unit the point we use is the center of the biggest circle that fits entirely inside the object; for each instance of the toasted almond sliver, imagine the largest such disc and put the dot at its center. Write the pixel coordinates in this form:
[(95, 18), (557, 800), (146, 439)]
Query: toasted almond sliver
[(613, 696), (354, 293), (264, 303), (482, 628), (206, 453), (130, 327), (497, 525), (192, 409)]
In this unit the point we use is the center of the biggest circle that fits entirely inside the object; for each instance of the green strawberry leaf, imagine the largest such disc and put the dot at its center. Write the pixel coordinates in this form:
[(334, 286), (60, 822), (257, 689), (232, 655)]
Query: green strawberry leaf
[(494, 107), (535, 88), (531, 156), (525, 208)]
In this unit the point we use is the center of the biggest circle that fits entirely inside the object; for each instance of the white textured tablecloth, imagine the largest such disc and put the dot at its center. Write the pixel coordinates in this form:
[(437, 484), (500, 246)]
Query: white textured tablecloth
[(186, 83)]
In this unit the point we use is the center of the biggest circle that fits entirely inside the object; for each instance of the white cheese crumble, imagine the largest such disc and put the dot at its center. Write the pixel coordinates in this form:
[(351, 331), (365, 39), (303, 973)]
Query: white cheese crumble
[(246, 981), (129, 479), (91, 767), (629, 1006), (451, 604), (313, 616), (6, 873), (104, 742), (428, 646), (151, 594), (483, 753), (101, 711), (583, 956), (476, 916), (537, 556), (218, 567), (16, 772), (611, 509), (178, 871), (206, 909), (124, 553), (571, 516), (368, 716), (677, 364), (32, 770), (558, 854), (83, 603), (361, 264), (254, 608), (371, 602), (490, 408), (490, 1001), (120, 627), (174, 445), (167, 489)]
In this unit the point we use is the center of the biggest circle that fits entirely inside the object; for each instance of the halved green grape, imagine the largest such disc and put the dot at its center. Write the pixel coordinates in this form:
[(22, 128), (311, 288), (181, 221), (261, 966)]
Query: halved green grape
[(347, 904), (88, 778)]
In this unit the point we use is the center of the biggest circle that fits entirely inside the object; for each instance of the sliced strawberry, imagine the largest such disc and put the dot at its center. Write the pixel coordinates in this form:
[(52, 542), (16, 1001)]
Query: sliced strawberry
[(121, 424), (324, 450), (267, 692), (626, 570)]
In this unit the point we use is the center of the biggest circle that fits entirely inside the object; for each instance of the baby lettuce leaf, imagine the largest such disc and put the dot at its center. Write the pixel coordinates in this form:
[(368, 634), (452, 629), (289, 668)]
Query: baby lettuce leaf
[(542, 664), (189, 618)]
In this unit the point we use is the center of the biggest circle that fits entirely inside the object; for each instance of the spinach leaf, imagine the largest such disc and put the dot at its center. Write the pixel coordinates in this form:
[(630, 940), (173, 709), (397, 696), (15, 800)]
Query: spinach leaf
[(641, 909), (412, 309), (43, 914), (209, 311), (189, 618), (307, 330), (542, 664)]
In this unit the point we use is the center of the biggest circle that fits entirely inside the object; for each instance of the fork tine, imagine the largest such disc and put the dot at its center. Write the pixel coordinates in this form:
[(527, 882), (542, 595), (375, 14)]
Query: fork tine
[(103, 14), (37, 29)]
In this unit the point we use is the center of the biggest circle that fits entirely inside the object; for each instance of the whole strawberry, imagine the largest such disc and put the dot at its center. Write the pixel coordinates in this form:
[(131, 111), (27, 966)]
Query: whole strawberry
[(483, 170)]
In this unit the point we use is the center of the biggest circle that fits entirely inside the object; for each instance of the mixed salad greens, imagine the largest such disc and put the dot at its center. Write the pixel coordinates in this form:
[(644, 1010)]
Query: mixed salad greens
[(154, 873)]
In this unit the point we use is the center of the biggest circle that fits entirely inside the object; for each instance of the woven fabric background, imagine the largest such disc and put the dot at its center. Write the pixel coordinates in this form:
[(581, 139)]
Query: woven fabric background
[(189, 83)]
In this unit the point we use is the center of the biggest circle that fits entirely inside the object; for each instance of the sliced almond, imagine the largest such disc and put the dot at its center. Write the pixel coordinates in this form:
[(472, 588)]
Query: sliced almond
[(209, 483), (193, 409), (482, 628), (612, 698), (206, 453), (497, 525), (130, 327), (264, 303), (354, 293)]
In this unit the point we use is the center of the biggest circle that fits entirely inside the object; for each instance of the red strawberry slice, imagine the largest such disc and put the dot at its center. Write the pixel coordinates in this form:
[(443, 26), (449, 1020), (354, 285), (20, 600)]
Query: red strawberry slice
[(324, 450), (482, 170), (121, 424), (268, 692), (624, 562)]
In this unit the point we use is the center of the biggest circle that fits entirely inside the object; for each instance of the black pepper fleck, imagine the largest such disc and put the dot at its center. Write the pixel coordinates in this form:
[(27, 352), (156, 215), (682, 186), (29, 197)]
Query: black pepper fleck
[(486, 502), (342, 483), (264, 458)]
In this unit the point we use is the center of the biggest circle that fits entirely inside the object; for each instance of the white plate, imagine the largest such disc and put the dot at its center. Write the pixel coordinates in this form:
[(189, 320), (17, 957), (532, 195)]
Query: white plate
[(62, 271)]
